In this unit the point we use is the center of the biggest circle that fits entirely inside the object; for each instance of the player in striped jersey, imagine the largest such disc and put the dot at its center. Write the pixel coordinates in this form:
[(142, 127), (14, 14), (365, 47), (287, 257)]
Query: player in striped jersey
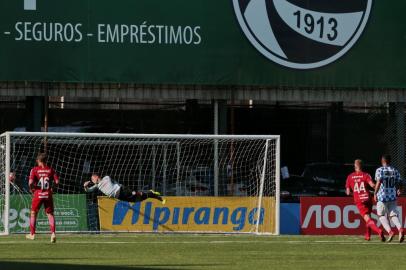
[(388, 187), (113, 189)]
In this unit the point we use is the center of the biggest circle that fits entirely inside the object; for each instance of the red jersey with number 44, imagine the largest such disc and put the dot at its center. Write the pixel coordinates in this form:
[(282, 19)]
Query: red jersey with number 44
[(40, 178), (358, 182)]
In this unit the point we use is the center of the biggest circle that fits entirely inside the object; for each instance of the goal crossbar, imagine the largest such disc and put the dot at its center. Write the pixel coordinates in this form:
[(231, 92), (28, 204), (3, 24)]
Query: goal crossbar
[(140, 136)]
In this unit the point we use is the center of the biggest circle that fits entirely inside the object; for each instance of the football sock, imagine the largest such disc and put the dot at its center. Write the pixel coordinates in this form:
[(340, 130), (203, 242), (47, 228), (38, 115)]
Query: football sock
[(385, 223), (396, 221), (371, 225), (51, 220), (367, 232), (33, 220)]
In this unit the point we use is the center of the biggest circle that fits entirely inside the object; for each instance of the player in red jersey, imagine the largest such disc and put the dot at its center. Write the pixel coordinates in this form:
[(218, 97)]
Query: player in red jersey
[(358, 183), (41, 187)]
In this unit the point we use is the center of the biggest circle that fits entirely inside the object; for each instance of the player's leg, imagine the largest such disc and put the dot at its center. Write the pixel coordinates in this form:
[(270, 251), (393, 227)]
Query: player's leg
[(366, 210), (371, 225), (138, 196), (33, 221), (381, 210), (155, 195), (49, 210), (128, 195), (394, 217), (35, 206), (363, 210), (368, 230), (51, 220)]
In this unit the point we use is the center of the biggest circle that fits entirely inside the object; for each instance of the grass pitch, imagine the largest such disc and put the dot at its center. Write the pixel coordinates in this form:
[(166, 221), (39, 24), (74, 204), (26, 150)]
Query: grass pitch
[(156, 251)]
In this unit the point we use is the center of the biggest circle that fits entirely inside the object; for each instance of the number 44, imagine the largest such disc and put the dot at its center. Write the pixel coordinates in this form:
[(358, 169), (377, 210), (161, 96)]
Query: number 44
[(359, 188)]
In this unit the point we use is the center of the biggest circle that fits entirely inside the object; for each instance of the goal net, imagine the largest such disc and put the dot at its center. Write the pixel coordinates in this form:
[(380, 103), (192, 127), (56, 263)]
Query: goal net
[(212, 183)]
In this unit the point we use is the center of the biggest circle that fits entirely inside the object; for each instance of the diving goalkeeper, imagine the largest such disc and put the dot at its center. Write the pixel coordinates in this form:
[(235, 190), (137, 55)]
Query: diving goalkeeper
[(113, 189)]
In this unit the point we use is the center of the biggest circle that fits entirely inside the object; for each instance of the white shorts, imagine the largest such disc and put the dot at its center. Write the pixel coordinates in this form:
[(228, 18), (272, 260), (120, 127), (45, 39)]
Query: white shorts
[(384, 208)]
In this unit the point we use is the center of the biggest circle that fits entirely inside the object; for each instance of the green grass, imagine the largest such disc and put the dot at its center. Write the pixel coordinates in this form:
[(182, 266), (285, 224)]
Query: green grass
[(156, 251)]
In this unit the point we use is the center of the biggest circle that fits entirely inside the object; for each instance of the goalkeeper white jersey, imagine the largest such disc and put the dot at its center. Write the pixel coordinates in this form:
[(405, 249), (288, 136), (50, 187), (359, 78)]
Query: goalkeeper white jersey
[(108, 187)]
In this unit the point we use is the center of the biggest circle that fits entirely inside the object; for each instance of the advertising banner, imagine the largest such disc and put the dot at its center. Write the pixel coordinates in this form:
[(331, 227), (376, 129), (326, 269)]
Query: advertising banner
[(290, 218), (70, 214), (212, 42), (193, 214), (336, 216)]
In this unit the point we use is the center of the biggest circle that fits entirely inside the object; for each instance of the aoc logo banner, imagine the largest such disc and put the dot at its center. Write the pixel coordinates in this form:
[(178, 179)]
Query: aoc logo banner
[(303, 34), (215, 214), (337, 216)]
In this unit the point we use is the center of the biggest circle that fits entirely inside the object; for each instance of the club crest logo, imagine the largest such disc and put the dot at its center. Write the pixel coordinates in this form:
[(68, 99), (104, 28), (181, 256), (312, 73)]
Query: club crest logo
[(303, 34)]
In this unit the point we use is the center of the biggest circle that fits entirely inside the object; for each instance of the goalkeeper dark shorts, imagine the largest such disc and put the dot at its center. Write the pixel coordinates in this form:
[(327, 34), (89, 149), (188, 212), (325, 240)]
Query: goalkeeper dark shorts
[(129, 195)]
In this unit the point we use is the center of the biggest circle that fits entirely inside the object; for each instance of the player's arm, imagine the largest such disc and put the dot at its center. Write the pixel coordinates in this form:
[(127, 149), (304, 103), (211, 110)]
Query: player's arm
[(378, 182), (347, 187), (31, 180), (370, 182), (89, 189), (399, 184), (377, 186), (56, 178)]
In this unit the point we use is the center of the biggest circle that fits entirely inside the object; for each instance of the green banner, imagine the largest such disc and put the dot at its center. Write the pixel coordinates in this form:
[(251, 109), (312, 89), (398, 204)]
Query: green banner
[(316, 43), (70, 214)]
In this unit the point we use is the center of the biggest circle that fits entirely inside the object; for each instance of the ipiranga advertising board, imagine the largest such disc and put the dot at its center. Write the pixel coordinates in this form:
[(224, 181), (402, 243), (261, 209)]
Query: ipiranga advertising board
[(190, 214)]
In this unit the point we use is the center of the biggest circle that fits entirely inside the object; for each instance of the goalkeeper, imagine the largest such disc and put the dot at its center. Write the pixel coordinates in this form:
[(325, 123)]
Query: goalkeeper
[(113, 189)]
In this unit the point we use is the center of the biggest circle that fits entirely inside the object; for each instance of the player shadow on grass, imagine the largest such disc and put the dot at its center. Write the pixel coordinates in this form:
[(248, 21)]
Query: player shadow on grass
[(9, 265)]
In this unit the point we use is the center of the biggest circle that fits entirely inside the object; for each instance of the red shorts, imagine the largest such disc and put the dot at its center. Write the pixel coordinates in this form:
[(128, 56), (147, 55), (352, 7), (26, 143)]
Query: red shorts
[(364, 208), (45, 198)]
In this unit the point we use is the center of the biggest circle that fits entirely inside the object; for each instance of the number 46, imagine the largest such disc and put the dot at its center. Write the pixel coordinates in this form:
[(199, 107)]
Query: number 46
[(43, 183)]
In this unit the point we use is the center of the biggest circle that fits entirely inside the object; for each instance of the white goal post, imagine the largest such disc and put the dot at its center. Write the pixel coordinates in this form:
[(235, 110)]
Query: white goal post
[(213, 183)]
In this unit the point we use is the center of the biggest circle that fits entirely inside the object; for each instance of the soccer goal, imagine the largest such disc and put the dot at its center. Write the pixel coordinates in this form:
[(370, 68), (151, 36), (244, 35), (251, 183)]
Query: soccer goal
[(212, 183)]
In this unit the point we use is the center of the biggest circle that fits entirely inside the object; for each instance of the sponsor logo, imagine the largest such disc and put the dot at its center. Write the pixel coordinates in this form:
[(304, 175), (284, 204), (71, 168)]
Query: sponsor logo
[(336, 216), (70, 214), (19, 219), (203, 215), (186, 214), (302, 34), (54, 29)]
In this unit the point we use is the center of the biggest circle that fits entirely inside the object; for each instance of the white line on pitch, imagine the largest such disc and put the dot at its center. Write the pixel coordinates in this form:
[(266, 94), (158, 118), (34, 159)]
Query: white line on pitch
[(199, 242)]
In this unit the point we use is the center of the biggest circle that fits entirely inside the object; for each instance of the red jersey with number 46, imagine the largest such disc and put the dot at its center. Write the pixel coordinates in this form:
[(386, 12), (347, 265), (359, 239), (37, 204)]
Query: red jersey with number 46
[(358, 182), (40, 178)]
